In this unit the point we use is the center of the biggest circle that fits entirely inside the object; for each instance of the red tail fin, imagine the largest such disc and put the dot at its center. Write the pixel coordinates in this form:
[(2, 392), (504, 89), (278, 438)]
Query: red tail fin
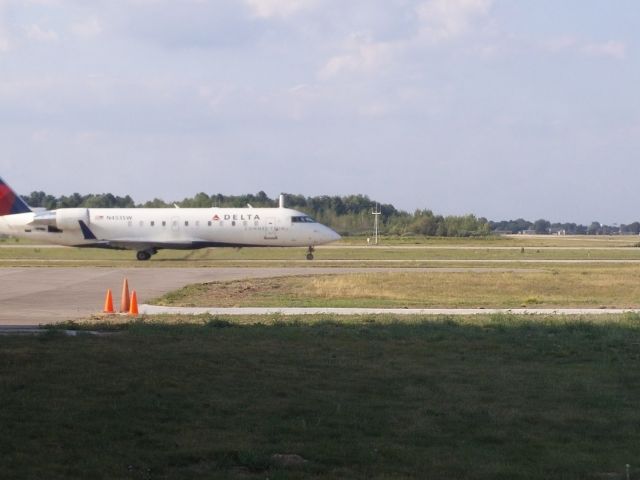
[(10, 203)]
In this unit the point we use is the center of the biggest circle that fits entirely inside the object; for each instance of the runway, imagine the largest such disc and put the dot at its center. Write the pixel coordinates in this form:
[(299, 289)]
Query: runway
[(42, 295)]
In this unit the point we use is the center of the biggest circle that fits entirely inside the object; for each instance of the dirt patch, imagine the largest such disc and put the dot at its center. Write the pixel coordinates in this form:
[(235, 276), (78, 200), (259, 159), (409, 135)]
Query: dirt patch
[(229, 294)]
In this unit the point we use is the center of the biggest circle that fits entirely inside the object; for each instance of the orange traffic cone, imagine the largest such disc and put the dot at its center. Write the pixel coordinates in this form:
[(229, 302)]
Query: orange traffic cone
[(108, 303), (124, 303), (133, 309)]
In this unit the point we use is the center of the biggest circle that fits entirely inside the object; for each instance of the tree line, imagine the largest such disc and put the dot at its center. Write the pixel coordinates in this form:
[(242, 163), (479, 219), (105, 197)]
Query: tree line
[(543, 226), (348, 215)]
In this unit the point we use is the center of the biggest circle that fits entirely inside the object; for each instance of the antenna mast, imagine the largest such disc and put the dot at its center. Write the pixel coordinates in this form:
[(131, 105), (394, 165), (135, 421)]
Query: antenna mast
[(376, 212)]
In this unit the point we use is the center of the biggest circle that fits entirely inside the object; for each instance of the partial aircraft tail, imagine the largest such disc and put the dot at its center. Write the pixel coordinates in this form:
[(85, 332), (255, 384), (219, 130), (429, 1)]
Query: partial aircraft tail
[(10, 203)]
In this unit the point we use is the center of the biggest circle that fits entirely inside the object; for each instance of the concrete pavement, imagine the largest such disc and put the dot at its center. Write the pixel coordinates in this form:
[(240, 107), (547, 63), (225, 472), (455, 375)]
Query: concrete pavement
[(38, 295)]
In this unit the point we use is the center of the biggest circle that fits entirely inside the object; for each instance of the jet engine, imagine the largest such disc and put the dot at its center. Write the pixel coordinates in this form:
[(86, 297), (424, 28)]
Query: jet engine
[(68, 218)]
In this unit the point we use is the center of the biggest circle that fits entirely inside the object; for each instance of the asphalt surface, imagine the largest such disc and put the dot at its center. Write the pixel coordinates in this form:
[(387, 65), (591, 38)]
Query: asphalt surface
[(42, 295)]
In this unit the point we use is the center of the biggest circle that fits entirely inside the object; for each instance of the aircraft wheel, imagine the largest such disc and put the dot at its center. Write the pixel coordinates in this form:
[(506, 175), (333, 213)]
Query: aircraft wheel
[(143, 255), (309, 256)]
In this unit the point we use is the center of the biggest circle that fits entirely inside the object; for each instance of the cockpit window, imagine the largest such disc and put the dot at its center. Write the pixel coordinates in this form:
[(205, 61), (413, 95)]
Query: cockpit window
[(302, 219)]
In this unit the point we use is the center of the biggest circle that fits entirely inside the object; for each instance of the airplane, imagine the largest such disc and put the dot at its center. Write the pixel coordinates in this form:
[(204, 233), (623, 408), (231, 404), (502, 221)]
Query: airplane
[(148, 230)]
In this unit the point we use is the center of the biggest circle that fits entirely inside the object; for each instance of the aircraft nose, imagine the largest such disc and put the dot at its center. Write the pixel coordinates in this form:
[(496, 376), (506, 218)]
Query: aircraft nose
[(332, 236)]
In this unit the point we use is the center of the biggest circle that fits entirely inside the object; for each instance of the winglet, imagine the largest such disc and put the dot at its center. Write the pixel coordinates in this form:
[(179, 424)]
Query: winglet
[(88, 234), (10, 203)]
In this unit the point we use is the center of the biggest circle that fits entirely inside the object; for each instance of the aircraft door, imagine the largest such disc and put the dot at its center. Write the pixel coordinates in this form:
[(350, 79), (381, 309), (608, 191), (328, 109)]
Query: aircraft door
[(175, 226), (272, 230)]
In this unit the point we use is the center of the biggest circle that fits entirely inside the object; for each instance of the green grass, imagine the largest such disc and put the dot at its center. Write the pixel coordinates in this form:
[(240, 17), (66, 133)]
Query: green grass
[(428, 253), (469, 398)]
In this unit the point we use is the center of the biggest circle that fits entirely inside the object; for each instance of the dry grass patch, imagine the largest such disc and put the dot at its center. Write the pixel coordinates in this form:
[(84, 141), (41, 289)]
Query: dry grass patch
[(568, 287)]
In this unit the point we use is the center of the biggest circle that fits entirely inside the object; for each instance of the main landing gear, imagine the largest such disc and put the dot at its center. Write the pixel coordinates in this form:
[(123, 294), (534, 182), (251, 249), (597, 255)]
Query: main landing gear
[(143, 255), (310, 252)]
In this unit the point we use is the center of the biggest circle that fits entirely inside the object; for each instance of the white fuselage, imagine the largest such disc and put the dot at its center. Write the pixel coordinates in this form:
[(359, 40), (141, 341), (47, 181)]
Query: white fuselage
[(142, 228)]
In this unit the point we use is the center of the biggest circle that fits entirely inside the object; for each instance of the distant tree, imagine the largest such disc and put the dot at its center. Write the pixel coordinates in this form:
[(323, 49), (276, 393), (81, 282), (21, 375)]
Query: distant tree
[(155, 203), (541, 226), (350, 214), (513, 226), (425, 223), (293, 201), (41, 200), (201, 200), (581, 230), (594, 228)]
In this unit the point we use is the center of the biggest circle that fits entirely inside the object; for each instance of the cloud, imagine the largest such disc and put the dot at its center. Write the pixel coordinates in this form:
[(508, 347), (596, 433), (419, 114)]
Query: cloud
[(225, 24), (278, 8), (35, 32), (427, 23), (215, 97), (5, 44), (447, 19), (611, 49), (87, 28), (362, 54), (559, 44)]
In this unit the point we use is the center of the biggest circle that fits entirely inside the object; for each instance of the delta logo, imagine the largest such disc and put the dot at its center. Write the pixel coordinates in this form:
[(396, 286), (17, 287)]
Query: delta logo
[(236, 216)]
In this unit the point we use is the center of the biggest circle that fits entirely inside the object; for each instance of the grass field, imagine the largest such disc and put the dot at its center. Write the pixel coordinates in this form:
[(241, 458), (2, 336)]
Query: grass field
[(472, 398), (563, 286), (484, 397), (505, 240), (419, 253), (492, 240)]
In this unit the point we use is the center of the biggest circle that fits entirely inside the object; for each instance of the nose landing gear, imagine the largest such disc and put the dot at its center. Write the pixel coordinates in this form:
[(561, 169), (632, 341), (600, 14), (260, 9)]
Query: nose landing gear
[(310, 252)]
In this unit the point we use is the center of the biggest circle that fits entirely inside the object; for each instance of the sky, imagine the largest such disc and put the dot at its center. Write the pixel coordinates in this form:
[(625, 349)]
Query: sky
[(500, 108)]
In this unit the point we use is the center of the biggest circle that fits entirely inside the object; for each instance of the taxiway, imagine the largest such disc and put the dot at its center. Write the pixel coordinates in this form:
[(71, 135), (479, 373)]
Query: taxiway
[(43, 295)]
